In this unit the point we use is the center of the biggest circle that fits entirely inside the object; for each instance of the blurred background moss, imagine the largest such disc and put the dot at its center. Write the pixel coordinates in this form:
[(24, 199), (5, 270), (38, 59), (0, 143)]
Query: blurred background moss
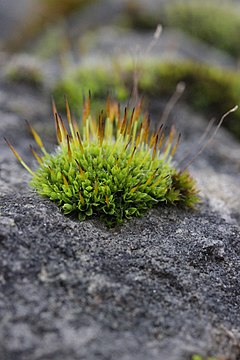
[(216, 22), (76, 40), (208, 89)]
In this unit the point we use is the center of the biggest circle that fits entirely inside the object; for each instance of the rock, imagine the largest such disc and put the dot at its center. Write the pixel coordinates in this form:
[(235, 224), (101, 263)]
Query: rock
[(164, 286)]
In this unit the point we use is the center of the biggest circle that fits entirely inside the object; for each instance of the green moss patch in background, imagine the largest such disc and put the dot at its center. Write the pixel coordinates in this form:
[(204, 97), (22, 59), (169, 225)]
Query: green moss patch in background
[(99, 81), (217, 23), (214, 22), (208, 89)]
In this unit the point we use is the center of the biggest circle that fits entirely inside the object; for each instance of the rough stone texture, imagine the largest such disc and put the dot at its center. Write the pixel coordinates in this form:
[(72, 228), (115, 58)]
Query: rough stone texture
[(158, 288)]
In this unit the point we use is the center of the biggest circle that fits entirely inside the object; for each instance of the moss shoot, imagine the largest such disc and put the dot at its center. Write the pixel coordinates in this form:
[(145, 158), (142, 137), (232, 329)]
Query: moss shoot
[(112, 168)]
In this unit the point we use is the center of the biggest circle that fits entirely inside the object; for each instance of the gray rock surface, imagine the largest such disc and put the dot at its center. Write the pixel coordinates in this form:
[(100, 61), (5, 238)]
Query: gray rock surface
[(163, 287)]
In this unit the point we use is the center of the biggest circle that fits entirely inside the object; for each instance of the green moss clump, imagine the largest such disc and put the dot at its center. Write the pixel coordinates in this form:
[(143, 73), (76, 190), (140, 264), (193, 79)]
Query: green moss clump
[(217, 23), (208, 89), (113, 169)]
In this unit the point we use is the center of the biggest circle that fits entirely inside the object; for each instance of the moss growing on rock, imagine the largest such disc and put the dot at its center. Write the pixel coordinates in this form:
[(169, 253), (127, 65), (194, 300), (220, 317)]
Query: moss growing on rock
[(113, 168)]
